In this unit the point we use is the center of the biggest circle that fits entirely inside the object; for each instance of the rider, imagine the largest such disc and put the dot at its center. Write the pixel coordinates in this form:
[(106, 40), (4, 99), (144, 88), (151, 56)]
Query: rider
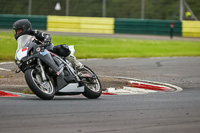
[(24, 27)]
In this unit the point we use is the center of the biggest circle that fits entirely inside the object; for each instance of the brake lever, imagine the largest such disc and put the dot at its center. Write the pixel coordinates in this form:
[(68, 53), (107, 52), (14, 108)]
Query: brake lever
[(18, 71)]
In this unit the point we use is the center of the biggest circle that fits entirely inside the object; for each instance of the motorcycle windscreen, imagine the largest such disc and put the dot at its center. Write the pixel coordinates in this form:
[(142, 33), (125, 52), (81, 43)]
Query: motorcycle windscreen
[(23, 41), (21, 53)]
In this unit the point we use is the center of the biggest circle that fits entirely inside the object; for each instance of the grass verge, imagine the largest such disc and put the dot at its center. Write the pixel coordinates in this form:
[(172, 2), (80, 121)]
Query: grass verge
[(91, 47)]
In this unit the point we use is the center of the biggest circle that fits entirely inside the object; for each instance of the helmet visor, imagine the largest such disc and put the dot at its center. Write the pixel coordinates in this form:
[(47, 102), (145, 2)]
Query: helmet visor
[(19, 31)]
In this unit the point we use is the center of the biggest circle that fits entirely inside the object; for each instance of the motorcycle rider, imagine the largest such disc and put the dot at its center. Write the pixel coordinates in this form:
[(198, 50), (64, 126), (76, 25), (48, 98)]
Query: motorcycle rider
[(24, 27)]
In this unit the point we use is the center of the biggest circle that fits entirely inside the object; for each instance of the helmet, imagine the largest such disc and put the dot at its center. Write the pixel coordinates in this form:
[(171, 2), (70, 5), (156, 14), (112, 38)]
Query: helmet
[(21, 27)]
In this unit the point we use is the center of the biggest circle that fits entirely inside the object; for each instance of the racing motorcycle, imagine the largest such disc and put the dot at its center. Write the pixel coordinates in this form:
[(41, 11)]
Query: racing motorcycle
[(48, 74)]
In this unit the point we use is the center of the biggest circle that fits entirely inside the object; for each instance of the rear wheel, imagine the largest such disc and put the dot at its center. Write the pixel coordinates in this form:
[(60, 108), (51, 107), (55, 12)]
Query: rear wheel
[(92, 84), (43, 89)]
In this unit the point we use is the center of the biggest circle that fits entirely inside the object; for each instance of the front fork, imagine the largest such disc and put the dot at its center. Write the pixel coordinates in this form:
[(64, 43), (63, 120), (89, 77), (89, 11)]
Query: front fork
[(42, 70)]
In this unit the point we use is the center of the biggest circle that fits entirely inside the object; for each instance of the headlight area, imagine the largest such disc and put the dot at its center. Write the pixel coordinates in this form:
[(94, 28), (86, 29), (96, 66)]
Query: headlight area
[(24, 61), (25, 64), (17, 62), (30, 61)]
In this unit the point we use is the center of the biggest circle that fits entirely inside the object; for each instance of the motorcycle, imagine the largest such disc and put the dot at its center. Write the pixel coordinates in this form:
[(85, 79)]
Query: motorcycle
[(48, 74)]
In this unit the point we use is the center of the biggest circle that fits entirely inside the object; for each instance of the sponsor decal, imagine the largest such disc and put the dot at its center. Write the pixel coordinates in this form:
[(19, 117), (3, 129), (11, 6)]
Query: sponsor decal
[(24, 49), (38, 49), (44, 53)]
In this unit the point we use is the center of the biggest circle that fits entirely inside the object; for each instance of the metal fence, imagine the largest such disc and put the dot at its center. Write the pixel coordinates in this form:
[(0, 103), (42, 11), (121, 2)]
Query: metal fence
[(143, 9)]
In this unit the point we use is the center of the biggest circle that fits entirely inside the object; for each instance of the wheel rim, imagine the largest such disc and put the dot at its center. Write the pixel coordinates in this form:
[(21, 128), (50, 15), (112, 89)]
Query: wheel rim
[(94, 87), (45, 87)]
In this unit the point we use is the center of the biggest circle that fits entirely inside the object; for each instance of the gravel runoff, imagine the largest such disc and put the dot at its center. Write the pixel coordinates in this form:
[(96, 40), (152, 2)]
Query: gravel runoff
[(11, 81), (15, 82)]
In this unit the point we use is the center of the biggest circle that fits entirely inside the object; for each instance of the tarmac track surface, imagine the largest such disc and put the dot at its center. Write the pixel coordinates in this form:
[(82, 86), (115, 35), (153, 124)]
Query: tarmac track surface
[(152, 113)]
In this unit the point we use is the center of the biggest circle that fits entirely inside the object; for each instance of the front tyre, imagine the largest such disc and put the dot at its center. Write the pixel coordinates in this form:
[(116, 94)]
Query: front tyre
[(43, 90), (92, 85)]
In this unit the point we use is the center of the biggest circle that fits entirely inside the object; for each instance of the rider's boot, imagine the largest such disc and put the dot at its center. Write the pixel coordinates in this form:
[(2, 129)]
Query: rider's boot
[(77, 64)]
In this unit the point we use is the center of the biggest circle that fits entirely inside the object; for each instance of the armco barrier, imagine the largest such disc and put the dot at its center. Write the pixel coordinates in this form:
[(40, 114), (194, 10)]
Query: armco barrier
[(38, 22), (191, 28), (105, 25), (80, 24), (149, 27)]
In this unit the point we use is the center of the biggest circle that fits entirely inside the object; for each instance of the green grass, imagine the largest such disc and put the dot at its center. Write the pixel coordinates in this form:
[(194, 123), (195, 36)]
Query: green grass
[(90, 47)]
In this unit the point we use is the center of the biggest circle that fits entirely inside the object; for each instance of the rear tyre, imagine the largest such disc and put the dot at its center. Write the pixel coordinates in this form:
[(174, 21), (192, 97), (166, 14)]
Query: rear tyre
[(43, 90), (93, 87)]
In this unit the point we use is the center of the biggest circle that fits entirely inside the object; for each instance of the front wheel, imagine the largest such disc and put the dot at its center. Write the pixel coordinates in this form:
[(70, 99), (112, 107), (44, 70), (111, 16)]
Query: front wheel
[(92, 84), (43, 89)]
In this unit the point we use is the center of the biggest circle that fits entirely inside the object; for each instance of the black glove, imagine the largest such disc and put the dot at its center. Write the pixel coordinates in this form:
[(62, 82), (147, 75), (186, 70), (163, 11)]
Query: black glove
[(45, 44), (47, 40)]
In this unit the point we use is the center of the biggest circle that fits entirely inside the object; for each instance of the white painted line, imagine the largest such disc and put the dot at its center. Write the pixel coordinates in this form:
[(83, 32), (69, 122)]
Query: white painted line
[(4, 69), (118, 91), (129, 91), (2, 63), (139, 90)]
